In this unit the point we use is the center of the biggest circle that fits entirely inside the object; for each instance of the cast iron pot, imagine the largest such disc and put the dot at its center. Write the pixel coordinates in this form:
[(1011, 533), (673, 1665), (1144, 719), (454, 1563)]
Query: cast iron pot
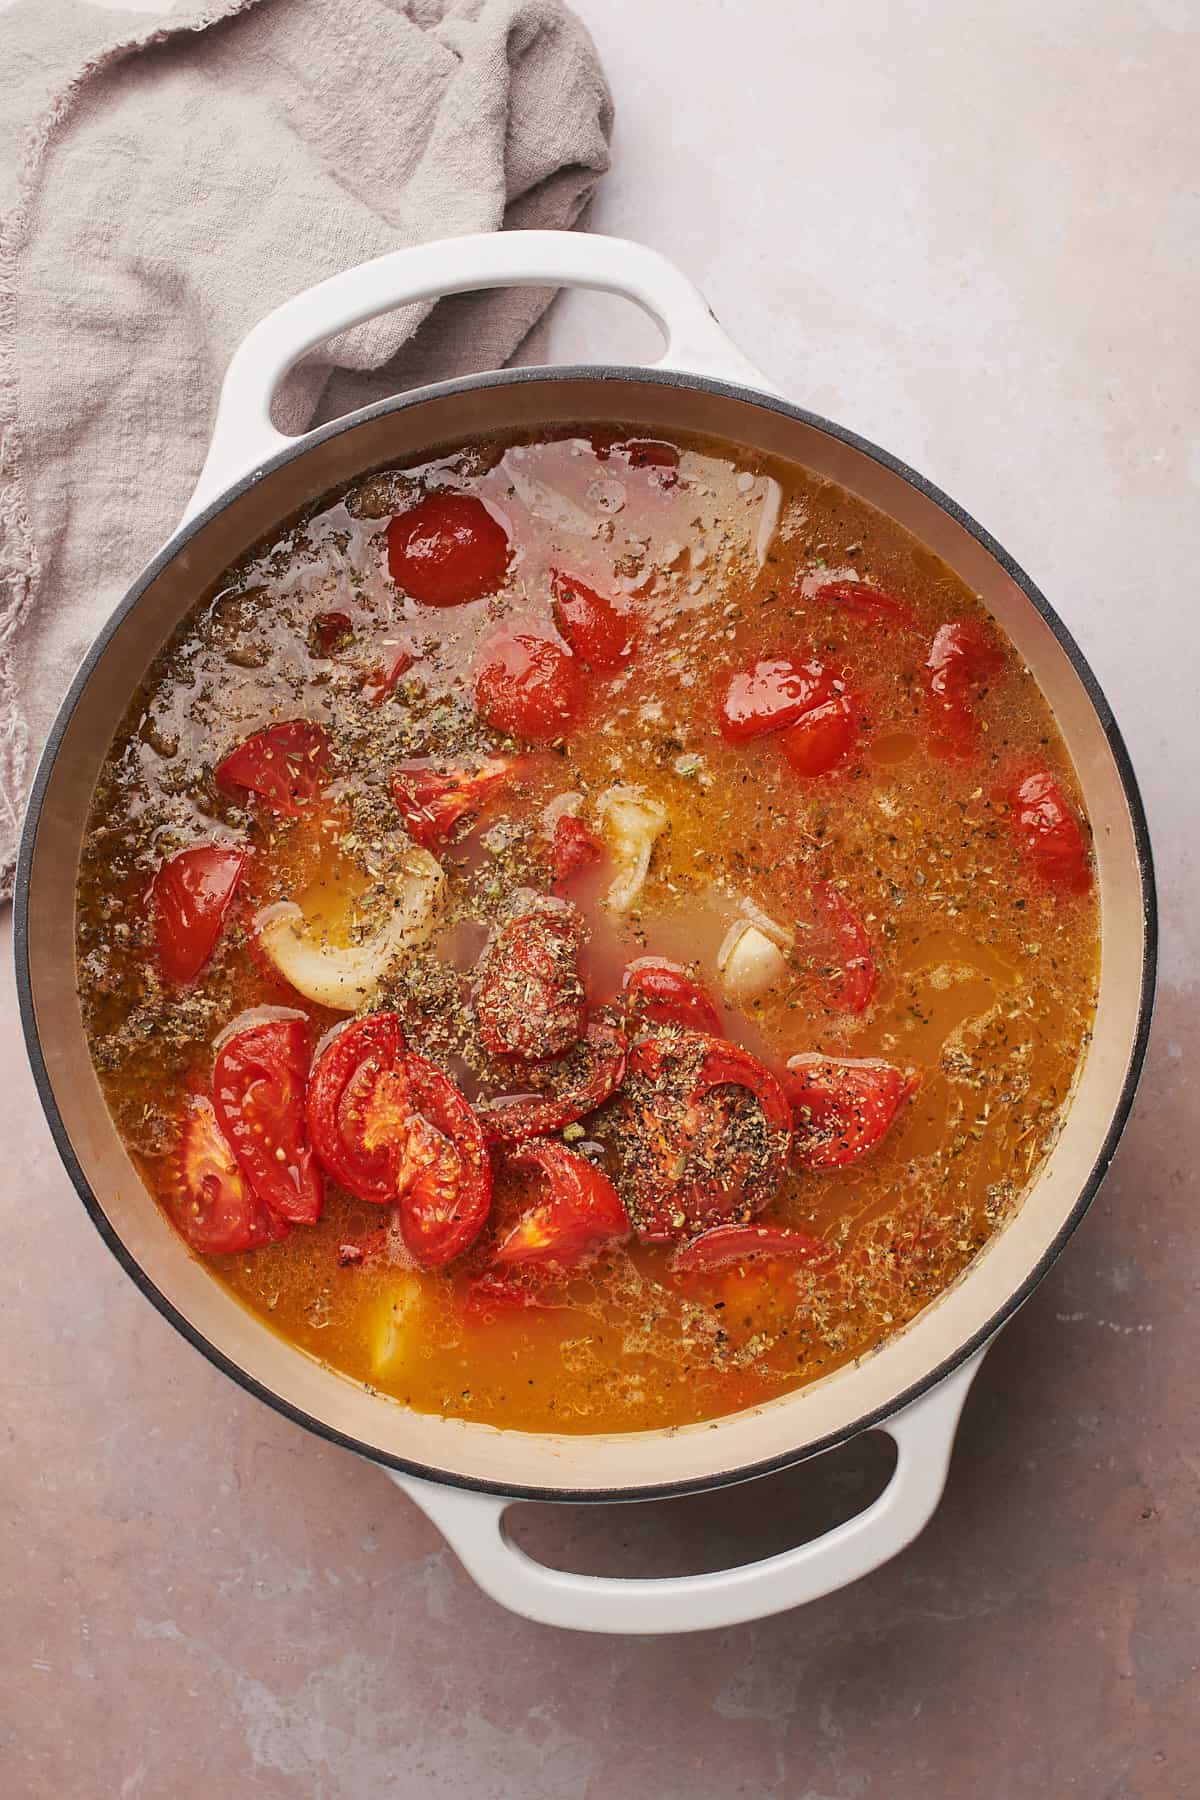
[(465, 1475)]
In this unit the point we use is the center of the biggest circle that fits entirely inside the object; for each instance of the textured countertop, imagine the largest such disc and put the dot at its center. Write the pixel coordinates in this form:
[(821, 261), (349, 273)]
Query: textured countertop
[(972, 234)]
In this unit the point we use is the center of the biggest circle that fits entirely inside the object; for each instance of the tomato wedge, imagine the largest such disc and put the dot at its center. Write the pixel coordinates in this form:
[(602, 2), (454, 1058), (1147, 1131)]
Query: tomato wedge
[(1049, 833), (189, 901), (581, 1211), (592, 1072), (286, 765), (528, 686), (529, 1001), (867, 601), (258, 1092), (822, 739), (601, 633), (341, 1085), (726, 1244), (206, 1195), (842, 1107), (664, 993), (441, 1171), (770, 695), (852, 984), (447, 549), (574, 850), (963, 658), (434, 797)]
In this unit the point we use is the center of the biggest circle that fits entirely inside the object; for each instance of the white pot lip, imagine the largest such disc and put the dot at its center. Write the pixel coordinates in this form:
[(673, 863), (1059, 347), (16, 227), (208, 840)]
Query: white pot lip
[(615, 374)]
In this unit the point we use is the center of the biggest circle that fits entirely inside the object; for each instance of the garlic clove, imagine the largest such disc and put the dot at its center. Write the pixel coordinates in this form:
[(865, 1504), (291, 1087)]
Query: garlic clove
[(749, 962), (631, 823)]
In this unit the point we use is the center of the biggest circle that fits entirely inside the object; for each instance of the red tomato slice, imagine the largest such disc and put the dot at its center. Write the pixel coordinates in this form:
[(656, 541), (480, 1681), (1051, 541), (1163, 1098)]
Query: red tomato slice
[(574, 850), (189, 902), (258, 1090), (594, 1071), (383, 679), (664, 993), (528, 686), (772, 694), (328, 632), (433, 797), (530, 1001), (726, 1244), (962, 659), (206, 1196), (581, 1211), (822, 738), (446, 549), (852, 985), (1049, 833), (441, 1167), (339, 1090), (286, 765), (841, 1108), (867, 601), (601, 633)]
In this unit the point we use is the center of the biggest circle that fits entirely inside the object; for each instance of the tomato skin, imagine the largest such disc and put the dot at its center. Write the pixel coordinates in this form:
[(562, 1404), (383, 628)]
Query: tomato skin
[(599, 632), (725, 1244), (770, 695), (581, 1211), (433, 797), (442, 1170), (508, 1121), (529, 1001), (852, 986), (963, 658), (842, 1107), (190, 899), (823, 738), (528, 687), (574, 850), (665, 994), (339, 1089), (383, 680), (447, 549), (1049, 833), (866, 601), (259, 1092), (208, 1199), (285, 765)]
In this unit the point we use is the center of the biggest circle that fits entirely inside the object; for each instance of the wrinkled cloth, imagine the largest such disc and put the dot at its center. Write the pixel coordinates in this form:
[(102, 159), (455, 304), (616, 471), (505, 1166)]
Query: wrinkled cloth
[(166, 181)]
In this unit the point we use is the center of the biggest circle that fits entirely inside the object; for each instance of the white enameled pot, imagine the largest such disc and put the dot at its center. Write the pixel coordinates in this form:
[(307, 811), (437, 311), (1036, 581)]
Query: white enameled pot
[(465, 1475)]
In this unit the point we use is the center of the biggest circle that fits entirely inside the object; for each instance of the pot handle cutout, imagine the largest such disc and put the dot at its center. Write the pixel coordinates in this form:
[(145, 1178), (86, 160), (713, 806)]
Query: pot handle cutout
[(473, 1525), (243, 436)]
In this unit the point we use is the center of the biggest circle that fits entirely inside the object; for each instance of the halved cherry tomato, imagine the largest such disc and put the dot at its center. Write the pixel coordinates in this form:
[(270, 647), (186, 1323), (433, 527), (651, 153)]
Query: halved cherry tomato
[(528, 687), (446, 549), (773, 693), (433, 797), (842, 1107), (384, 677), (206, 1195), (574, 849), (581, 1211), (593, 1072), (286, 765), (664, 993), (1049, 833), (601, 633), (869, 602), (853, 982), (190, 898), (726, 1244), (340, 1088), (963, 658), (529, 1001), (822, 738), (258, 1091), (441, 1171), (328, 632)]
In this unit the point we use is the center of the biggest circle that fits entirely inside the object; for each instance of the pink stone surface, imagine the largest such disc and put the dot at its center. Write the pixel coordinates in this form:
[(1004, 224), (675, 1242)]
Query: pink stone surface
[(971, 233)]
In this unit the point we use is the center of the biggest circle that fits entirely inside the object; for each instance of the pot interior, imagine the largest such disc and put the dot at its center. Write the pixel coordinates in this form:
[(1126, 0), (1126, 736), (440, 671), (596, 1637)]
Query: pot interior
[(797, 1423)]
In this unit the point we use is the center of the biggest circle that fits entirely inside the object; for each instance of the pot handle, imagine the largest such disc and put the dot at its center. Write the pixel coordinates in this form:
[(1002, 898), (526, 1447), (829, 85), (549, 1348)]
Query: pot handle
[(243, 435), (473, 1524)]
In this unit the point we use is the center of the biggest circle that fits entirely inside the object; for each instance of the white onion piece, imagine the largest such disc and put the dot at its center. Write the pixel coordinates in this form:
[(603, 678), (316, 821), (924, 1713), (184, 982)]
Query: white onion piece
[(749, 961), (344, 977), (632, 823)]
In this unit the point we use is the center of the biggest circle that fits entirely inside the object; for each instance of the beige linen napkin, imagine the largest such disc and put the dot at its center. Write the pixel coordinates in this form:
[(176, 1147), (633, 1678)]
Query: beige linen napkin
[(165, 182)]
